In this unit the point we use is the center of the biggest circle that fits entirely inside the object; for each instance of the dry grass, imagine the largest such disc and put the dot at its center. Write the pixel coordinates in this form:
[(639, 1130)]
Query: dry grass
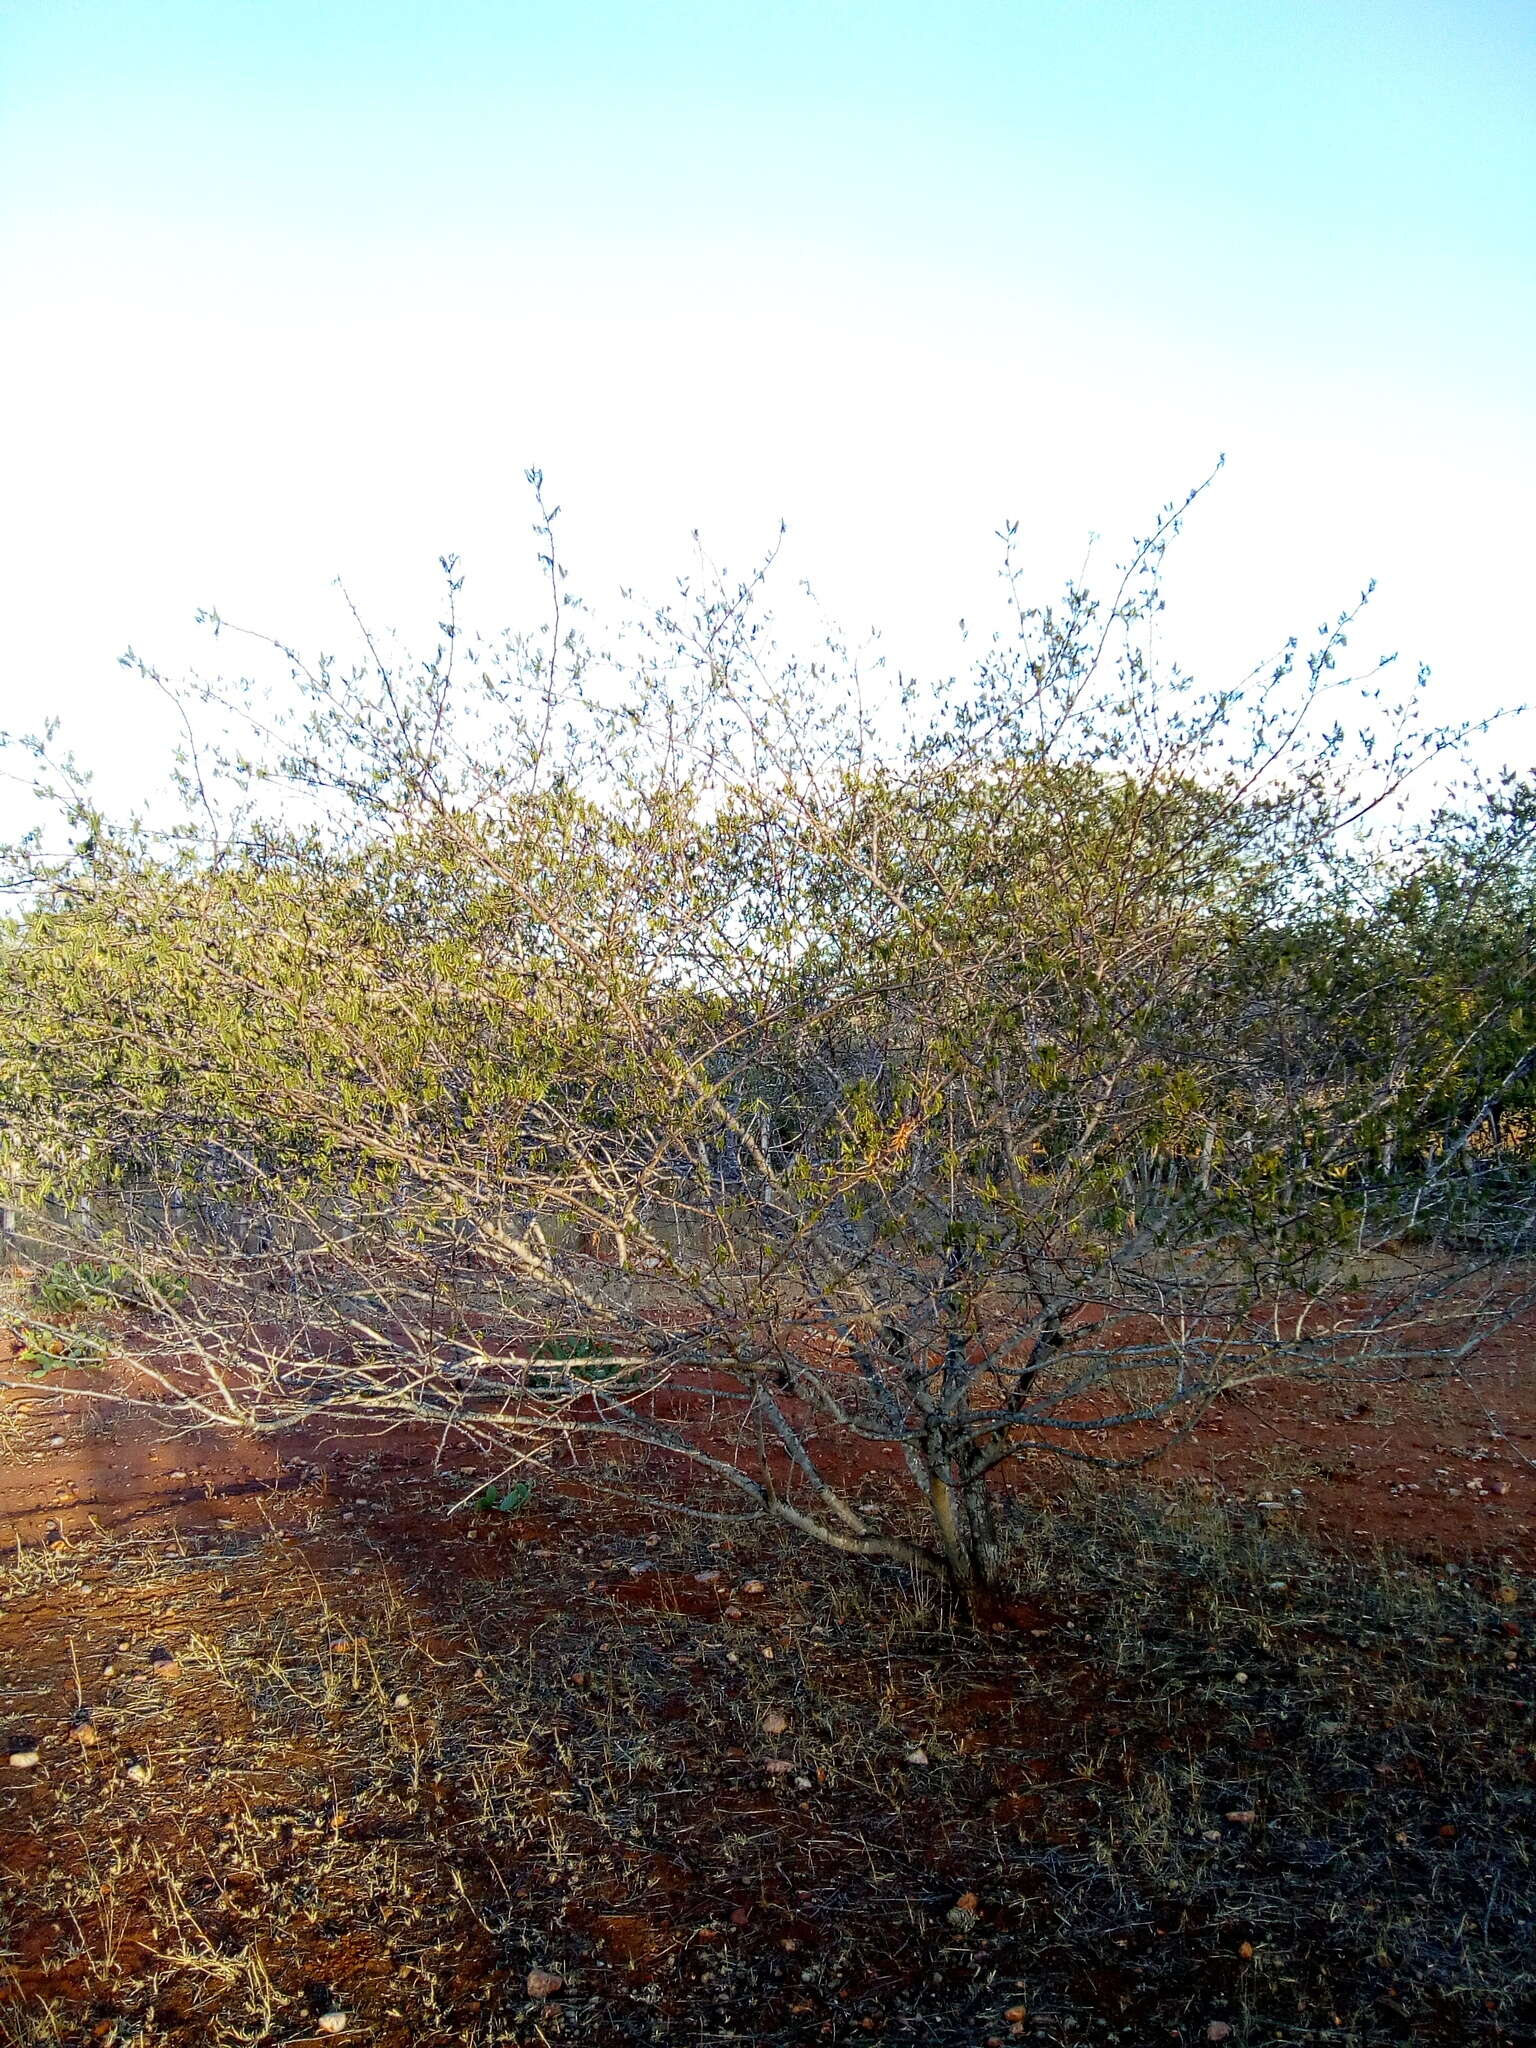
[(401, 1765)]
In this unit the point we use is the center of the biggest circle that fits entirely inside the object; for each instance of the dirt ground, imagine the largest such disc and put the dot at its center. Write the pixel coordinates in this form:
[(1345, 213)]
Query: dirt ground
[(314, 1755)]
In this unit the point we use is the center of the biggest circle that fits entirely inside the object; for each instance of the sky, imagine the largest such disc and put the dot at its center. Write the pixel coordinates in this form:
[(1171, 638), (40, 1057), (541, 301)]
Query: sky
[(297, 291)]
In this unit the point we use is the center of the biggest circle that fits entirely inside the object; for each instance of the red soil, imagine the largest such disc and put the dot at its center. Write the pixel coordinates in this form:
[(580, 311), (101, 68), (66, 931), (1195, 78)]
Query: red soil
[(1443, 1468)]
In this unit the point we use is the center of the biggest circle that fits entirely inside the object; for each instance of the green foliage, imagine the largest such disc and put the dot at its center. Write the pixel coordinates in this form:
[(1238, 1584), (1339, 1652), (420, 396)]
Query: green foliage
[(68, 1298), (1071, 1015), (80, 1284), (46, 1349), (588, 1361), (505, 1501), (66, 1287), (572, 1348)]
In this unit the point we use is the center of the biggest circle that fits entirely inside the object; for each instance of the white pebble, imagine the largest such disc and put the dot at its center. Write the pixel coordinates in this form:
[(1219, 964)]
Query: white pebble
[(23, 1759)]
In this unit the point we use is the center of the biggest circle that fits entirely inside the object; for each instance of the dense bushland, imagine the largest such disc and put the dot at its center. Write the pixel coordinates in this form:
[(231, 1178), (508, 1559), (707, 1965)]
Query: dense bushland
[(639, 1037)]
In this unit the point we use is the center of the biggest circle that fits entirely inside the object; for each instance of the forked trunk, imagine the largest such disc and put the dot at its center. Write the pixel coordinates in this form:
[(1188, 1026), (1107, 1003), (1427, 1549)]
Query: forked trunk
[(966, 1526)]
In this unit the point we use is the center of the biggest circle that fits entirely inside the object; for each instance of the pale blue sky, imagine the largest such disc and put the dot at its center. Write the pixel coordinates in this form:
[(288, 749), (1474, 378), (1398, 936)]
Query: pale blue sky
[(299, 290)]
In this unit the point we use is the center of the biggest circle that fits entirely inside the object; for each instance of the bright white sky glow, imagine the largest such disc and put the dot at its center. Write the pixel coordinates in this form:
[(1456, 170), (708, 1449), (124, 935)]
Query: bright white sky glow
[(298, 290)]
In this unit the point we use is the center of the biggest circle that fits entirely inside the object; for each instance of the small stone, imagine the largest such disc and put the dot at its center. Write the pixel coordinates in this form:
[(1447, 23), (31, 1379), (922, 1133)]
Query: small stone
[(137, 1774), (778, 1767), (775, 1722), (1218, 2030), (401, 1699), (733, 1614), (23, 1759), (918, 1757), (1243, 1815), (754, 1589), (1016, 2015), (333, 2022), (544, 1983), (83, 1727), (163, 1665)]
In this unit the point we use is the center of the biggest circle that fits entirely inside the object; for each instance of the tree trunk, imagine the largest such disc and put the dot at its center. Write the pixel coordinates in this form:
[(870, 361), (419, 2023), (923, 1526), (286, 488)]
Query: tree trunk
[(960, 1502)]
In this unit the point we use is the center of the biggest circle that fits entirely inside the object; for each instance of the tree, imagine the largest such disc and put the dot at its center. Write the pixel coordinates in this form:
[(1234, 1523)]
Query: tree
[(562, 1041)]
